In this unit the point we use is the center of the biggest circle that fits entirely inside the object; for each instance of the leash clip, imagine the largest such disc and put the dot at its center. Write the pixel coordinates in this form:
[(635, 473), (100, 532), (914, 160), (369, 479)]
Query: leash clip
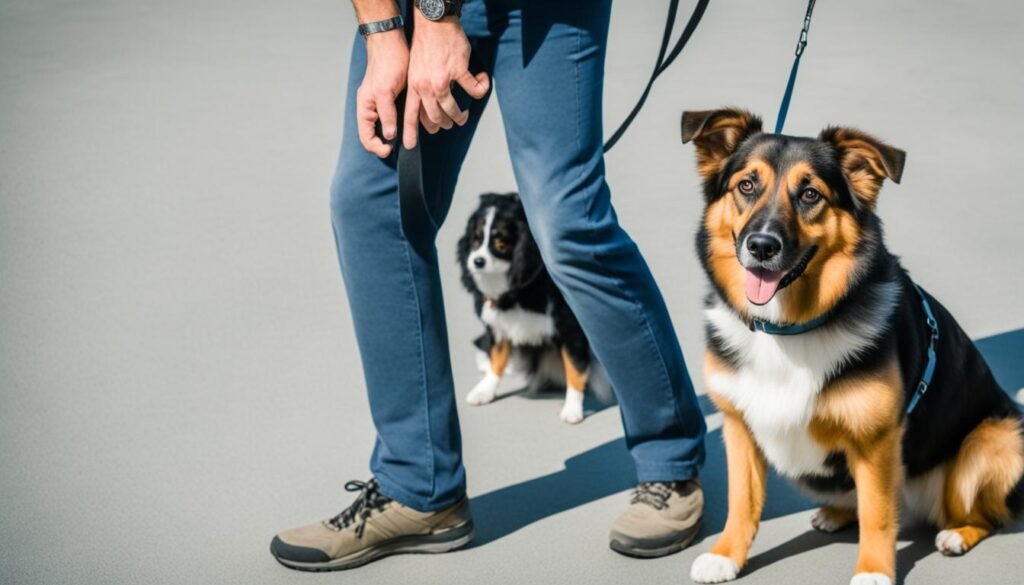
[(802, 43)]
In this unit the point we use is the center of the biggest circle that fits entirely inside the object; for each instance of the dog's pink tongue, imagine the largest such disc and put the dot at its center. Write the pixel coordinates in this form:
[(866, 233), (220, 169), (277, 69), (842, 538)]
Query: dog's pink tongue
[(762, 285)]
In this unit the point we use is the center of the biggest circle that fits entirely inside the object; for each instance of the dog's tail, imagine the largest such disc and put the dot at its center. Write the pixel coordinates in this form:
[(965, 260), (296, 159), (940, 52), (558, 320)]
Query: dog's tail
[(1015, 498)]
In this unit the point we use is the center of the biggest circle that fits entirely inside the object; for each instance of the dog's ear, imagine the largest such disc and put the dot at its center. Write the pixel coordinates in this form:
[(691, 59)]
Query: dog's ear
[(716, 134), (526, 260), (865, 160)]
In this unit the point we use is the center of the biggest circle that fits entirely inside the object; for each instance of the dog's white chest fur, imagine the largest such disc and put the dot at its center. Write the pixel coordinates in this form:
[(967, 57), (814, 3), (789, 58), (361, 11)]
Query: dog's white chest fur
[(778, 380), (519, 326)]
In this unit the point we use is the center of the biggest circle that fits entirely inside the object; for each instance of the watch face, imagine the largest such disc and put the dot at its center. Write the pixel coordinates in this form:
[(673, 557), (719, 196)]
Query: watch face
[(432, 9)]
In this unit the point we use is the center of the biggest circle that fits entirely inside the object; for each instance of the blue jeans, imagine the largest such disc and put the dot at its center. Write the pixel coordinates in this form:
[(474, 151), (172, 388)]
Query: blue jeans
[(547, 62)]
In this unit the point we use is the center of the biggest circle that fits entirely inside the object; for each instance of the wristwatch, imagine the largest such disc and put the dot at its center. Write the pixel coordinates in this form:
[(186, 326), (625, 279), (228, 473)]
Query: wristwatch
[(438, 9)]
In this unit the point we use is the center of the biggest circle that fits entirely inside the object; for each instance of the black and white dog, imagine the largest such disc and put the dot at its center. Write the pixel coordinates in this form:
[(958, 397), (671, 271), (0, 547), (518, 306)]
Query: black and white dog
[(528, 325)]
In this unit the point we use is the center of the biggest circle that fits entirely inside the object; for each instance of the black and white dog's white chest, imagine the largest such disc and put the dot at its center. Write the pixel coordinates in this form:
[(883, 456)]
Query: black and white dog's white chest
[(518, 325)]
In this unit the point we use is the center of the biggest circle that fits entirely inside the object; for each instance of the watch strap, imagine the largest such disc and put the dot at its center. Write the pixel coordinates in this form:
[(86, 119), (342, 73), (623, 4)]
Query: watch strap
[(381, 26)]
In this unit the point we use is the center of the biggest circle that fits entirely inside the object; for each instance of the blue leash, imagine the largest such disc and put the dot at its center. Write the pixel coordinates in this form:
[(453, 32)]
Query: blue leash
[(780, 121), (929, 369), (773, 329)]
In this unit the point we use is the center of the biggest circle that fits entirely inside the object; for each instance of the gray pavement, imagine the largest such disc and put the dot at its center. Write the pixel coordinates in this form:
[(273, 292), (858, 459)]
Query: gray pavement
[(179, 375)]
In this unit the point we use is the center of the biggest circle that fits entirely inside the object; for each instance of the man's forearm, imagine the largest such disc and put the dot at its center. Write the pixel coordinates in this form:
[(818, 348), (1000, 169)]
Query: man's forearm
[(374, 10)]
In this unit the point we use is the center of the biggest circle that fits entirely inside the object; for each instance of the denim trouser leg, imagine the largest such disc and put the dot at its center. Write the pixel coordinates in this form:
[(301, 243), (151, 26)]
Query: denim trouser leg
[(550, 98), (547, 60), (398, 312)]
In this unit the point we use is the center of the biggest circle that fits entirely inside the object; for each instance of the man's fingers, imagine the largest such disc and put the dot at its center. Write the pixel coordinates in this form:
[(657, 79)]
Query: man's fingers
[(436, 114), (477, 85), (388, 114), (428, 124), (451, 108), (436, 109), (412, 117), (367, 118)]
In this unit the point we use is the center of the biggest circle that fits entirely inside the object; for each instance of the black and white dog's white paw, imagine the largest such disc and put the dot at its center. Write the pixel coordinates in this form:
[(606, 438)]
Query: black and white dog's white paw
[(572, 410), (484, 391)]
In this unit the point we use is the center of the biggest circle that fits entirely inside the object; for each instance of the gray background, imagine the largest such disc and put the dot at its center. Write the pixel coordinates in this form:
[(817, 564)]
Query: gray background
[(179, 375)]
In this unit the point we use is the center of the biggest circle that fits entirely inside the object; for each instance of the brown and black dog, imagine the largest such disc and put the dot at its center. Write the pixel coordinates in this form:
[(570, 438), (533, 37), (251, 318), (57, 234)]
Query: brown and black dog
[(817, 344)]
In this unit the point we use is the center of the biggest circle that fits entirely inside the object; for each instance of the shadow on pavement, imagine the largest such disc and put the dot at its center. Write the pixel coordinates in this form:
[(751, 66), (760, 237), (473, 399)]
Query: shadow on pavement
[(1005, 355), (607, 469), (920, 546), (603, 471)]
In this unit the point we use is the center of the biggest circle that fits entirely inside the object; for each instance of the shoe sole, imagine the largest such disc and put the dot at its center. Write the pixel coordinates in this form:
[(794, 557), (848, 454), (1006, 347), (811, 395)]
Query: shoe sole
[(653, 553), (438, 542)]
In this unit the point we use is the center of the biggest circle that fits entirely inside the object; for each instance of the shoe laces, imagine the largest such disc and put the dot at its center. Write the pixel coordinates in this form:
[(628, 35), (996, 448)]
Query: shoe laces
[(368, 501), (653, 493)]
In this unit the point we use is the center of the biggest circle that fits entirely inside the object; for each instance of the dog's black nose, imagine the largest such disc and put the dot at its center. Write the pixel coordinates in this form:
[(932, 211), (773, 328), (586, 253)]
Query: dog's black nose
[(763, 246), (479, 261)]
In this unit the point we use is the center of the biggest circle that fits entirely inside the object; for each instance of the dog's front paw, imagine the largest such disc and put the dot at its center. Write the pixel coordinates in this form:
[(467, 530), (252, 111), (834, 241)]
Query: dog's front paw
[(950, 543), (712, 568), (572, 414), (484, 391), (870, 579), (572, 411), (830, 520)]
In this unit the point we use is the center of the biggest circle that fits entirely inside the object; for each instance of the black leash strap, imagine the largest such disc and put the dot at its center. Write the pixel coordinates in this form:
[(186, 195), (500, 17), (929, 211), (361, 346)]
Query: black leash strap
[(663, 60), (801, 44), (417, 221)]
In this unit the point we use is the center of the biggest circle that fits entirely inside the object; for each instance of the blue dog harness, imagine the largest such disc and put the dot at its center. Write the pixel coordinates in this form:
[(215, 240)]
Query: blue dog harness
[(929, 369)]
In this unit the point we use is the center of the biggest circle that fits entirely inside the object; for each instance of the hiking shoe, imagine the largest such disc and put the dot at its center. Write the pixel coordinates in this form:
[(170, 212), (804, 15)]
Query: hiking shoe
[(662, 518), (374, 526)]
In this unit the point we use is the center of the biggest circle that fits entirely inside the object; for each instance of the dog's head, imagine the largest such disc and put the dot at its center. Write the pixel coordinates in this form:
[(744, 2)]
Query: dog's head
[(789, 222), (497, 253)]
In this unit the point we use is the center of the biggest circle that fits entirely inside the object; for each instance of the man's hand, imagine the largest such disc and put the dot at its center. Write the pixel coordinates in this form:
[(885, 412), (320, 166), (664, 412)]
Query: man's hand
[(440, 56), (387, 63)]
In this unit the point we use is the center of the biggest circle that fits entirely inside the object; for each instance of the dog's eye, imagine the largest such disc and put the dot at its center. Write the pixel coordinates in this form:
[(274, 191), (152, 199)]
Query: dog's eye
[(810, 196), (746, 186)]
